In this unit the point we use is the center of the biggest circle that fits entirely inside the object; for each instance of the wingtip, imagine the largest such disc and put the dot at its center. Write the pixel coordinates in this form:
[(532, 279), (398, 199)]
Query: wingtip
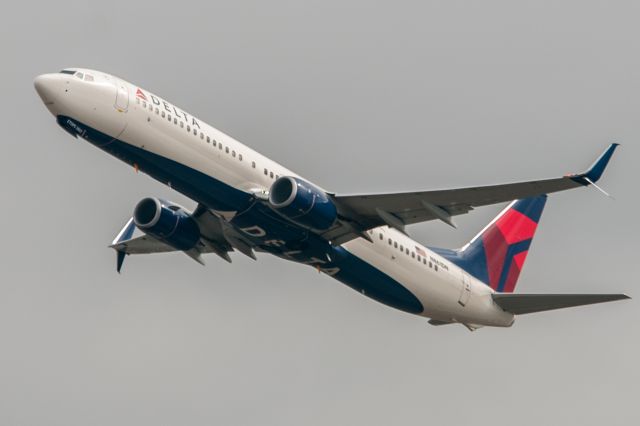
[(619, 296), (120, 255), (597, 169)]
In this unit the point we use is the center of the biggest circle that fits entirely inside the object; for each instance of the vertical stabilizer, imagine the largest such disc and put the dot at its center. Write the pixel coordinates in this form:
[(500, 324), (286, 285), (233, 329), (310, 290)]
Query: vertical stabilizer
[(497, 254)]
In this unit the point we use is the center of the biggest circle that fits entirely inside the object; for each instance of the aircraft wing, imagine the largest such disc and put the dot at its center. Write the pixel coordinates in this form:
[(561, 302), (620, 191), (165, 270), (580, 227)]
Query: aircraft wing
[(362, 212), (144, 244), (216, 236)]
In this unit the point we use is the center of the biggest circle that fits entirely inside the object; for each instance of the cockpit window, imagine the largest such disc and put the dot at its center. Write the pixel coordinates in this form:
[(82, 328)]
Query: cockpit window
[(80, 75)]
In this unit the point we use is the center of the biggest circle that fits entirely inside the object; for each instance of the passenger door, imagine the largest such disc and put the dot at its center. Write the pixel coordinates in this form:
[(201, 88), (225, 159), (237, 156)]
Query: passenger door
[(465, 292), (122, 96)]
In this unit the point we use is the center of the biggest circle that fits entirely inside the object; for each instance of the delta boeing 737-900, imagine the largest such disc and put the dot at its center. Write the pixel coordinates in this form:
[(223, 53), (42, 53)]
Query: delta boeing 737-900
[(249, 203)]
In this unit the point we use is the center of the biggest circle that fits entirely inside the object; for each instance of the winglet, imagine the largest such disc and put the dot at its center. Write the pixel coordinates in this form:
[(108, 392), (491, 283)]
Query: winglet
[(123, 235), (120, 255), (595, 172)]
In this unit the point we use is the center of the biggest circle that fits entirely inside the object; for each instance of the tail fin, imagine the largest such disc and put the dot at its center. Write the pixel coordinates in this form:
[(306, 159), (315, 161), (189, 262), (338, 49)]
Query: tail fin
[(496, 255)]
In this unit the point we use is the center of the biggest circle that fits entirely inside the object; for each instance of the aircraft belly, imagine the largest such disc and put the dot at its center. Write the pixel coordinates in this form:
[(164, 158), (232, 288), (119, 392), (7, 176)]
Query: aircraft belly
[(437, 291)]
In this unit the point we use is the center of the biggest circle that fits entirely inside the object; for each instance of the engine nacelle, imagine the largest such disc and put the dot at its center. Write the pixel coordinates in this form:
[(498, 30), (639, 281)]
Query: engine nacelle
[(302, 203), (167, 222)]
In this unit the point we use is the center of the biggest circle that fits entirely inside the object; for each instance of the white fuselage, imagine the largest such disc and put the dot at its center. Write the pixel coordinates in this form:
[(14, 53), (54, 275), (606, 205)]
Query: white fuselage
[(146, 121)]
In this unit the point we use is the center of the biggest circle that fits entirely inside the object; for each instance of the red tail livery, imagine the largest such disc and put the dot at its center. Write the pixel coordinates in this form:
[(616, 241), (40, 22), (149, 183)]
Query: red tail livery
[(496, 255)]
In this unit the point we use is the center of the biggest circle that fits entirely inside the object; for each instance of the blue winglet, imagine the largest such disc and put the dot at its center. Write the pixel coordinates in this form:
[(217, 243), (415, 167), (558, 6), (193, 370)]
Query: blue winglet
[(125, 234), (596, 170), (119, 259)]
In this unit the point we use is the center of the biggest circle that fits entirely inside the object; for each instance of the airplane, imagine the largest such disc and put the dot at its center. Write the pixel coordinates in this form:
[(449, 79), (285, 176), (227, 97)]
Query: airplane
[(247, 203)]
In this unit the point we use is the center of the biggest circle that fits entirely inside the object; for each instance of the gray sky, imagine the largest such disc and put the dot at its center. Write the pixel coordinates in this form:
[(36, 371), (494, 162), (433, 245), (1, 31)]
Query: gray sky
[(358, 96)]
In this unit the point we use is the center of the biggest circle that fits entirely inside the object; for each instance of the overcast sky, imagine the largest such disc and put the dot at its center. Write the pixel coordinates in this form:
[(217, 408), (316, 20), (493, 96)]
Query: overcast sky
[(358, 96)]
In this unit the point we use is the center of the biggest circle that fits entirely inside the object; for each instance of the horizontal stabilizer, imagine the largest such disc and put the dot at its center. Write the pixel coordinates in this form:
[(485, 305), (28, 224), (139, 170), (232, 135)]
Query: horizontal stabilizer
[(528, 303)]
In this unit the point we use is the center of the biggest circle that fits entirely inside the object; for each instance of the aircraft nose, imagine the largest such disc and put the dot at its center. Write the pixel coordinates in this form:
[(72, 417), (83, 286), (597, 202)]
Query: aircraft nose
[(45, 86)]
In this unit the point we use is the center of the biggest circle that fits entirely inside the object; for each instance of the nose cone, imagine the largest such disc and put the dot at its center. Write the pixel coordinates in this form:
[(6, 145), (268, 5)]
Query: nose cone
[(45, 85)]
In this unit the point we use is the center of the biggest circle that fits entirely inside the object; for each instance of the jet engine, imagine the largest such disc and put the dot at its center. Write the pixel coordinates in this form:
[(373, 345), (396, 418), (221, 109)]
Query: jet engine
[(167, 222), (302, 203)]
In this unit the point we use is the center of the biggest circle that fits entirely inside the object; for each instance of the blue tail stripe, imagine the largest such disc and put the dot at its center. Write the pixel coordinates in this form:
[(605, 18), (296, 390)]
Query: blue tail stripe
[(531, 207), (511, 252), (474, 264)]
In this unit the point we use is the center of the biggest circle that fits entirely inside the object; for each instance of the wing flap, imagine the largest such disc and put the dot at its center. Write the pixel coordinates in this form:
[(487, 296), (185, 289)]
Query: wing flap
[(519, 304)]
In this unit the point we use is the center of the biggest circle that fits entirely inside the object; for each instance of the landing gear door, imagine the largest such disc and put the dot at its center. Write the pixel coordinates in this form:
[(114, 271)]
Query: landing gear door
[(465, 292), (122, 96)]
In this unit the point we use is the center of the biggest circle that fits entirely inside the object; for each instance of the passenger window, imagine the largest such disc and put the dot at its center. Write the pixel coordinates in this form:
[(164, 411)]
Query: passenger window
[(266, 172), (435, 268), (169, 118), (226, 149), (271, 175), (240, 157), (157, 111), (401, 248), (430, 264), (208, 139), (389, 241), (195, 132), (220, 146), (175, 120), (144, 104), (188, 128), (418, 258), (181, 124), (214, 142), (201, 135), (413, 255), (233, 154), (395, 244), (424, 261), (163, 114), (406, 251), (150, 107), (253, 164), (381, 237)]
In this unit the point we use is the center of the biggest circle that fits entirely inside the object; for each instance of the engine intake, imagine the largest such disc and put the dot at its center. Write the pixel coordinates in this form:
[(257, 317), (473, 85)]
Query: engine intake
[(167, 222), (302, 203)]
